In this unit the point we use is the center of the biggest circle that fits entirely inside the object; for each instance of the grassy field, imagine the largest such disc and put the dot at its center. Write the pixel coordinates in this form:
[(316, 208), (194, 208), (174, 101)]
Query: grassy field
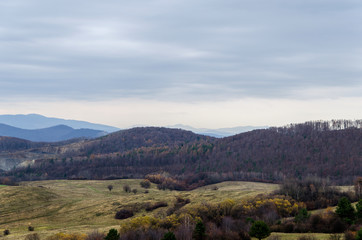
[(295, 236), (83, 206)]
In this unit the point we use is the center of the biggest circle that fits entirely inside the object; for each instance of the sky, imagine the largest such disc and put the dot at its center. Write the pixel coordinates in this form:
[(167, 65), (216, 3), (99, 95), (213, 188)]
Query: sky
[(202, 63)]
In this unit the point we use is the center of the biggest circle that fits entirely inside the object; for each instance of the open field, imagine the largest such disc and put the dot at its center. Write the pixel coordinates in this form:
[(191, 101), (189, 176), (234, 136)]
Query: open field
[(295, 236), (83, 206)]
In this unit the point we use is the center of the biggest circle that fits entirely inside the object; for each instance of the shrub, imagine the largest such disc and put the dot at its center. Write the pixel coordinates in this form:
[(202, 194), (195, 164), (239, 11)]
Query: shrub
[(260, 230), (33, 236), (134, 191), (112, 235), (126, 188), (31, 228), (123, 214), (156, 205), (145, 183), (110, 187), (6, 232)]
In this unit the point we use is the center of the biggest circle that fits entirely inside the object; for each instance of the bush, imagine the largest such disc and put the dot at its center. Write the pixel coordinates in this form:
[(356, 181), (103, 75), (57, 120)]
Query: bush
[(123, 214), (110, 187), (145, 183), (155, 206), (134, 191), (31, 228), (126, 188), (33, 236), (6, 232)]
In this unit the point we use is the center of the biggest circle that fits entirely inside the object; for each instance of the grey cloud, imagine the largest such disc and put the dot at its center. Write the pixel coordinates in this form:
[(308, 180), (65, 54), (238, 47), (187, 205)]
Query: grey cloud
[(179, 50)]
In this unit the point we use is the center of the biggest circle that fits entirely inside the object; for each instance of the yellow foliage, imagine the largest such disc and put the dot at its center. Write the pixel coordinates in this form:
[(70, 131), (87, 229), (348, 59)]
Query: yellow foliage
[(67, 236), (226, 206), (173, 221), (144, 222)]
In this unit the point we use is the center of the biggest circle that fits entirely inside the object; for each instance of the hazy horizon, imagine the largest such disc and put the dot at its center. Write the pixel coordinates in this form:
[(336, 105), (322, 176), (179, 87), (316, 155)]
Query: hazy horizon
[(206, 64)]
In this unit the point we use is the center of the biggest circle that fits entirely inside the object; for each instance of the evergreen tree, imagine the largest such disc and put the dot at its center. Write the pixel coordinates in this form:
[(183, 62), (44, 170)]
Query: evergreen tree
[(199, 232), (169, 236), (359, 209), (259, 230), (302, 215), (345, 210), (112, 235), (359, 235)]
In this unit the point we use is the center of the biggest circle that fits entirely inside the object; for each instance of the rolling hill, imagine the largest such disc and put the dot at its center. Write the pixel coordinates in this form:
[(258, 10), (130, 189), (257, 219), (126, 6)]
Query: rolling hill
[(325, 149)]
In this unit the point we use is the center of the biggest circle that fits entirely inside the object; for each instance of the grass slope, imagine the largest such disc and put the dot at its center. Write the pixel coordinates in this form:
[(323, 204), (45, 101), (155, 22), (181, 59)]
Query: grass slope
[(83, 206)]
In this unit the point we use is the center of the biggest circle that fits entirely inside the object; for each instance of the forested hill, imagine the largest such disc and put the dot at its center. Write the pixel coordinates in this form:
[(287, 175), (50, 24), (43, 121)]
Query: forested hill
[(13, 144), (134, 138), (326, 149)]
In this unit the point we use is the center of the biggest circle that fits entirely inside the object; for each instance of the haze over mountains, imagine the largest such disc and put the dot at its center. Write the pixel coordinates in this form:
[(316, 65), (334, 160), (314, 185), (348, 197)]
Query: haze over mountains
[(50, 134), (220, 132), (35, 127), (36, 121)]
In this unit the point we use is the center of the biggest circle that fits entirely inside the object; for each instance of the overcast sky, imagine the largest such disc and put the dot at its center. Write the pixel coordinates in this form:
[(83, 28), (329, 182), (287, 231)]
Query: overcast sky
[(204, 63)]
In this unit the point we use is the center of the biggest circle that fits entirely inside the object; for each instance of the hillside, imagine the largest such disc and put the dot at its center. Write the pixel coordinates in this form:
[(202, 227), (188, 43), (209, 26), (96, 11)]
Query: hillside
[(134, 138), (85, 206), (272, 154)]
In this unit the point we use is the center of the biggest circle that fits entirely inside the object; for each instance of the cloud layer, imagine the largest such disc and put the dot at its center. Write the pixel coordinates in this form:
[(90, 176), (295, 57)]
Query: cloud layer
[(180, 51)]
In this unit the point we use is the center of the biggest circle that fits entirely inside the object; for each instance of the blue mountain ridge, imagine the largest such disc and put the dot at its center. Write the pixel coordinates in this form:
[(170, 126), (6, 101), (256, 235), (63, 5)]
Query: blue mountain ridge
[(36, 121), (51, 134)]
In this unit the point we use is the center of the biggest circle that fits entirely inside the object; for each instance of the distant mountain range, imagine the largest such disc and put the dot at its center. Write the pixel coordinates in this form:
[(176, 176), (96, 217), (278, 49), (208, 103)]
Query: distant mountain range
[(51, 134), (36, 121), (219, 132)]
